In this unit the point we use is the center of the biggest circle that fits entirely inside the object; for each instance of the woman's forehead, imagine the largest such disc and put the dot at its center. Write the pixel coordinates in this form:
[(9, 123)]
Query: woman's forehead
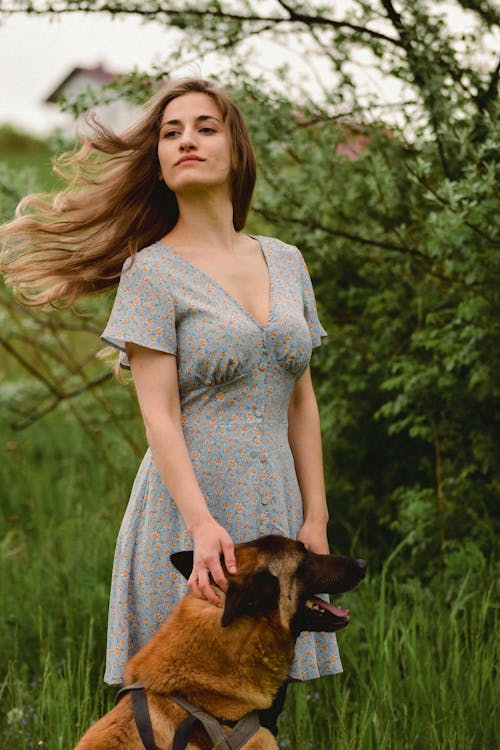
[(191, 106)]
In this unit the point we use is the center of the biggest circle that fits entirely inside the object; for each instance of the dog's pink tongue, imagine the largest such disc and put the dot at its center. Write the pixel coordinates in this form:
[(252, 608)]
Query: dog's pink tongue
[(331, 608)]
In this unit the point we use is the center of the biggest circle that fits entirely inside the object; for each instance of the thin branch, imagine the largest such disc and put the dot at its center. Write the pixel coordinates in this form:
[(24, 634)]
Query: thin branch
[(397, 21), (432, 190), (487, 95), (58, 398), (427, 261), (58, 394), (316, 20), (211, 13), (28, 366)]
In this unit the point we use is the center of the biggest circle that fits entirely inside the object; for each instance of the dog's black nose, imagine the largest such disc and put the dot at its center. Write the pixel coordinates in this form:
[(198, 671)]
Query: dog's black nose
[(362, 566)]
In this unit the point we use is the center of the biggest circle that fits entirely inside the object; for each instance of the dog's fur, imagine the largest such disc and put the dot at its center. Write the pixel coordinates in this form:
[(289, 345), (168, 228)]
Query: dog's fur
[(230, 661)]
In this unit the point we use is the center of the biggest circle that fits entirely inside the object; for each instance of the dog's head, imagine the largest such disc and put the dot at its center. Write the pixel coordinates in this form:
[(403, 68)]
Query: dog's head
[(279, 577)]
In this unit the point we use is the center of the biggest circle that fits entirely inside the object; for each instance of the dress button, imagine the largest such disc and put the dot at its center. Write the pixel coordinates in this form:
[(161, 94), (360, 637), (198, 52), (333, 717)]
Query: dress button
[(263, 458), (262, 367)]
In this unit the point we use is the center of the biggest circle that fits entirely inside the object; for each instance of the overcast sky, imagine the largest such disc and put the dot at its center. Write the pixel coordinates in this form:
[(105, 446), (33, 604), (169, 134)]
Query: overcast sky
[(36, 53)]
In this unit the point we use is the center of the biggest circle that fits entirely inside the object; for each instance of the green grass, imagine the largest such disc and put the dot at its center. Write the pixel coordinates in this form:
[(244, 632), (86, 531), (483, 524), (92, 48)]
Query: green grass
[(420, 665), (22, 152), (418, 674)]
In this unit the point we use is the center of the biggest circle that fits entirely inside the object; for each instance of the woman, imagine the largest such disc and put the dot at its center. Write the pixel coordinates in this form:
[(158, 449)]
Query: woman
[(217, 328)]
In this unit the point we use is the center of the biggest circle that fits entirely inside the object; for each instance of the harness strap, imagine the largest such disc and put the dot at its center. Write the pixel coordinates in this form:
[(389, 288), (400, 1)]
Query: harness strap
[(141, 713), (183, 732), (234, 740)]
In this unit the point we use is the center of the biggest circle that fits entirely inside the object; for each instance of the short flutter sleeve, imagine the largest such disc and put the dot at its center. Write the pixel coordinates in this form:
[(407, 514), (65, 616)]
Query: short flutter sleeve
[(310, 312), (143, 311)]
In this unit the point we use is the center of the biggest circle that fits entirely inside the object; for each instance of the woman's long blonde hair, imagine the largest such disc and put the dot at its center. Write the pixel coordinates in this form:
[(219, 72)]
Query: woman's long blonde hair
[(60, 248)]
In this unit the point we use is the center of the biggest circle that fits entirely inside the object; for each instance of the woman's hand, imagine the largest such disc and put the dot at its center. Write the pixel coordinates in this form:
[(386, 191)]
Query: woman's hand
[(313, 535), (210, 541)]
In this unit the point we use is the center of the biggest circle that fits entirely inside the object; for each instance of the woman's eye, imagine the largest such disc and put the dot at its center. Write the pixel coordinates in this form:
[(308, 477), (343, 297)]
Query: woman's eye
[(170, 133), (206, 129)]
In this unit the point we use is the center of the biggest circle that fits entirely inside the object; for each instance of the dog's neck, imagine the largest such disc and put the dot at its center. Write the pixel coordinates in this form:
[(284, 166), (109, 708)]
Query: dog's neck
[(256, 658)]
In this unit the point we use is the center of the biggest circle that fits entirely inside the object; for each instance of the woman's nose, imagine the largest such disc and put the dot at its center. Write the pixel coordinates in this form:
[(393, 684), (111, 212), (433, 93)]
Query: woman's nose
[(187, 141)]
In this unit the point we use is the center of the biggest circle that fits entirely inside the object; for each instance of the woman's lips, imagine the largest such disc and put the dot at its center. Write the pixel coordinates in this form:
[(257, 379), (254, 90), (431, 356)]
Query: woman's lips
[(189, 160)]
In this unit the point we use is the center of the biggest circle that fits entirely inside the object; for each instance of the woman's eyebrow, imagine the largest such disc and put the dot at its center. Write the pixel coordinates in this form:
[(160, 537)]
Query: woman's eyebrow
[(200, 118)]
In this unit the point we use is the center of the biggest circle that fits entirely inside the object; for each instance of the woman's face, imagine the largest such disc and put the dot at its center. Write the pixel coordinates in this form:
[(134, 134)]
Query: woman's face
[(194, 148)]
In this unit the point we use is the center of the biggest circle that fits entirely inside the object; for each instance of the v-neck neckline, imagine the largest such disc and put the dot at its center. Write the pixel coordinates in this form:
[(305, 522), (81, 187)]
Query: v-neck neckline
[(203, 274)]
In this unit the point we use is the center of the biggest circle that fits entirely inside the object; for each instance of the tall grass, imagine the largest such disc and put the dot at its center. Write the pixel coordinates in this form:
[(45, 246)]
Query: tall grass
[(420, 665), (419, 674)]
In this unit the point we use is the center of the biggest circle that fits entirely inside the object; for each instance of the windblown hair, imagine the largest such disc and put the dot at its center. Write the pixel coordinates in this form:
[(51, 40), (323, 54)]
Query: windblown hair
[(61, 247)]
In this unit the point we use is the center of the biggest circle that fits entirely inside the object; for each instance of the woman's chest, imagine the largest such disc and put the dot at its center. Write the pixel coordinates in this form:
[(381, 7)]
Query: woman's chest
[(220, 341), (246, 280)]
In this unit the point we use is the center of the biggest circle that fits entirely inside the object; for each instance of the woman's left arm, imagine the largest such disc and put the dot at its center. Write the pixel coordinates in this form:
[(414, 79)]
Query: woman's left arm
[(304, 436)]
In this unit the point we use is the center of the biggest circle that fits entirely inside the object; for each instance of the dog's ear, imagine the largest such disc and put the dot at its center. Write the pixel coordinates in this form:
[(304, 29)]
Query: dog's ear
[(250, 595), (183, 561)]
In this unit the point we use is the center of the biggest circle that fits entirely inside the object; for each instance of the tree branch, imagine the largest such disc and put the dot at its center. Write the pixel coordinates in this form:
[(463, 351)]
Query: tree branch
[(316, 20), (28, 367), (426, 261), (60, 396), (490, 93), (204, 14), (432, 190)]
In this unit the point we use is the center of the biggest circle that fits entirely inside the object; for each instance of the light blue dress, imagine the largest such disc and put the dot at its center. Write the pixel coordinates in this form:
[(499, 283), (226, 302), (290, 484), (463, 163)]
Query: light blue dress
[(236, 378)]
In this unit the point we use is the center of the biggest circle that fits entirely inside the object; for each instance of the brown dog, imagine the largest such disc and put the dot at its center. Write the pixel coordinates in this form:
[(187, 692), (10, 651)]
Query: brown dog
[(233, 660)]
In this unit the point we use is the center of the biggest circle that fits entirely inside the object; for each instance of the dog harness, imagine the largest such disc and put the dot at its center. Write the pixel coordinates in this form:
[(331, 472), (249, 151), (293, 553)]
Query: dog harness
[(234, 740)]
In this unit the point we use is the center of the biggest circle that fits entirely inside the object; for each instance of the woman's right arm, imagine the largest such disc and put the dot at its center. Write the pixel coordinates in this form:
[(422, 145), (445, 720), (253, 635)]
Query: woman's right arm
[(156, 382)]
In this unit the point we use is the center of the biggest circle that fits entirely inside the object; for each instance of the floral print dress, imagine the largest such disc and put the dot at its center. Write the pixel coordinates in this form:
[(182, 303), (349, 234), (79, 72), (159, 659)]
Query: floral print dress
[(236, 378)]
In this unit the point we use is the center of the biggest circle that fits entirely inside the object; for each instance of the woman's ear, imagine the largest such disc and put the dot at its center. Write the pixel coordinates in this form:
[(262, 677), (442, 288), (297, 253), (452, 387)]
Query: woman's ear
[(252, 595)]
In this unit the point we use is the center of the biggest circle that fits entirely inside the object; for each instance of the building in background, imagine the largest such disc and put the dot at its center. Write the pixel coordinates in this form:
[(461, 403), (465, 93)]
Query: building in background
[(83, 83)]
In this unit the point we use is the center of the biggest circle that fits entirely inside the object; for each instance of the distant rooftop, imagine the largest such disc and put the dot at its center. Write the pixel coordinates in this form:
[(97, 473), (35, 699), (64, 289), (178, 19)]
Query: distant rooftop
[(84, 76)]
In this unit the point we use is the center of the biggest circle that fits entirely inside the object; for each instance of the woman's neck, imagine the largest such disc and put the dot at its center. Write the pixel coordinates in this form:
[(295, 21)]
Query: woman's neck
[(204, 223)]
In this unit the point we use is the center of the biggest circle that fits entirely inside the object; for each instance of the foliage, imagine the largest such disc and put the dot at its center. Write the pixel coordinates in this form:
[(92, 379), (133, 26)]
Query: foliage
[(12, 139), (420, 667), (405, 263), (22, 156), (397, 215)]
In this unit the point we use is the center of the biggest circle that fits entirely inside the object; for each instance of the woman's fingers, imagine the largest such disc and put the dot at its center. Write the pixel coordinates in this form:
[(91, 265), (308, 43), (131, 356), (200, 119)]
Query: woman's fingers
[(218, 574), (210, 541), (228, 552), (199, 582)]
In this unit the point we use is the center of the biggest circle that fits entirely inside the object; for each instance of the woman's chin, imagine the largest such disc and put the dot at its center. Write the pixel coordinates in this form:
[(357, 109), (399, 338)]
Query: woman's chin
[(201, 188)]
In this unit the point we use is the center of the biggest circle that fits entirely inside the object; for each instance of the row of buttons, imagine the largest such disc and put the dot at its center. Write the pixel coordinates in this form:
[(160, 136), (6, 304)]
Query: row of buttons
[(266, 496)]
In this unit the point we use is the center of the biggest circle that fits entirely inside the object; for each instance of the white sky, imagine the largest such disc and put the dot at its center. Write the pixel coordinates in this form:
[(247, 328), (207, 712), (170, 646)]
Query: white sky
[(36, 53)]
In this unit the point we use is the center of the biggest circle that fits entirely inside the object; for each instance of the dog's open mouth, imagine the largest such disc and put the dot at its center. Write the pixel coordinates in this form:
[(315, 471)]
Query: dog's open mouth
[(317, 614)]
